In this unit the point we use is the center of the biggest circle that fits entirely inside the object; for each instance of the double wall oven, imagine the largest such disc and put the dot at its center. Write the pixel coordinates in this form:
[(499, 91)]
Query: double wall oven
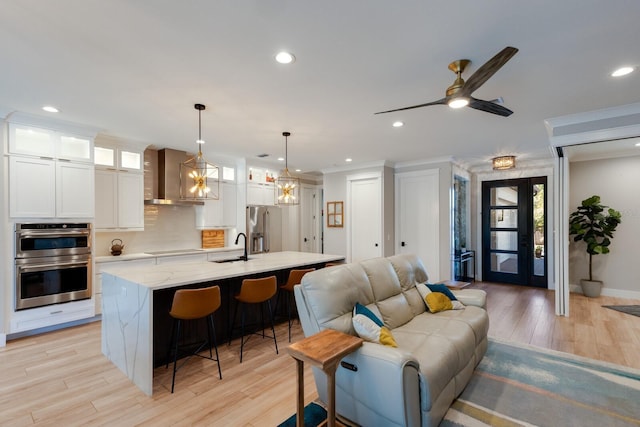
[(52, 263)]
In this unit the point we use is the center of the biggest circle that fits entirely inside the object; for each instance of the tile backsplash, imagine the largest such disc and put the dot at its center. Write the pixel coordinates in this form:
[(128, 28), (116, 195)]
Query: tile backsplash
[(165, 227)]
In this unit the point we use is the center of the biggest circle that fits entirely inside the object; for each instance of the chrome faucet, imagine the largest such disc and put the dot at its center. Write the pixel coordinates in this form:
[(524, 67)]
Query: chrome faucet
[(243, 257)]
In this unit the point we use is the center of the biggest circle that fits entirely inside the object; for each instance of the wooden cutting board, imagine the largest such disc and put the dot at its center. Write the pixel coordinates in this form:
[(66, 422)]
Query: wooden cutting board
[(212, 239)]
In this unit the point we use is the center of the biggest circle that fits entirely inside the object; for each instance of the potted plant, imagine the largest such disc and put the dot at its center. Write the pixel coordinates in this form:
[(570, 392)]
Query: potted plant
[(594, 224)]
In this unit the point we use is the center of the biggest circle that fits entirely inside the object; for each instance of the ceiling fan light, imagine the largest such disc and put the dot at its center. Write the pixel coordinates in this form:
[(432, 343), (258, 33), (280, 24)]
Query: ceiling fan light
[(458, 102)]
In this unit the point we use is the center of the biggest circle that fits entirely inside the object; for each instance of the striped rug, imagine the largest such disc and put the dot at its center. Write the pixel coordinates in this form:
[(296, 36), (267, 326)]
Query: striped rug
[(517, 385)]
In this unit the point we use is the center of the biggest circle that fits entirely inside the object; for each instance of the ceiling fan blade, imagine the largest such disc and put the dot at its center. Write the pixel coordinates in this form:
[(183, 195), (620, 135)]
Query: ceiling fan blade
[(489, 107), (487, 70), (438, 102)]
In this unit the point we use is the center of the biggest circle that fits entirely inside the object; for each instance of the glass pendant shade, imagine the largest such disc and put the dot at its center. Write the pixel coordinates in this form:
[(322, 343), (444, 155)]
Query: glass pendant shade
[(288, 186), (201, 177)]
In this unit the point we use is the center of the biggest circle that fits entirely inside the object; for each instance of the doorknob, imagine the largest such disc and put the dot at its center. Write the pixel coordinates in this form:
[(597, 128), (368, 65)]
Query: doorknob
[(403, 244), (376, 245)]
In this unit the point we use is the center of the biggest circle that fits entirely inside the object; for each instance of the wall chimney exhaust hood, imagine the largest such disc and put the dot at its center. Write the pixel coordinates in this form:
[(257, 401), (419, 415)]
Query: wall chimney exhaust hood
[(162, 178)]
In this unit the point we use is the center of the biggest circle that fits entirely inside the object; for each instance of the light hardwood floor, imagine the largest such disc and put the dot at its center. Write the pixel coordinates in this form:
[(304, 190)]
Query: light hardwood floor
[(62, 378)]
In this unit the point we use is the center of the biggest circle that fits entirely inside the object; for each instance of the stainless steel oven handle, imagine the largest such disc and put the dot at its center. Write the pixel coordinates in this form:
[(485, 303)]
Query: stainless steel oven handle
[(59, 265), (41, 233)]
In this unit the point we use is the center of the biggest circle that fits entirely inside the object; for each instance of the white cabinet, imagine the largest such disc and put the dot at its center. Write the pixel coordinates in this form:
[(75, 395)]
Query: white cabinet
[(119, 200), (221, 212), (261, 194), (50, 173), (41, 317), (119, 188), (35, 141), (43, 188), (74, 190)]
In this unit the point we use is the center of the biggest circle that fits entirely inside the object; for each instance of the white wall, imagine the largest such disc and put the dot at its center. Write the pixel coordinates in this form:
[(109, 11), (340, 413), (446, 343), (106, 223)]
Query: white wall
[(616, 182), (6, 260)]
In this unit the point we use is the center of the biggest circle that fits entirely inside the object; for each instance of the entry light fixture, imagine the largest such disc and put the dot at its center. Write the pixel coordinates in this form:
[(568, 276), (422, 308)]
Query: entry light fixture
[(202, 177), (288, 186), (622, 71), (285, 57), (504, 162)]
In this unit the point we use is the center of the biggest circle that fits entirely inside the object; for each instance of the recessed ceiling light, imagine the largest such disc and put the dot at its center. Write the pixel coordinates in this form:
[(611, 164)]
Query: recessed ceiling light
[(281, 159), (622, 71), (50, 109), (637, 144), (298, 170), (285, 57), (348, 159), (398, 124)]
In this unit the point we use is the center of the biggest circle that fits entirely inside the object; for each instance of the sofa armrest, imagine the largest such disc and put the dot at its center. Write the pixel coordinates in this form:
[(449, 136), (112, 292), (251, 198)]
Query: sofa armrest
[(477, 297), (382, 384)]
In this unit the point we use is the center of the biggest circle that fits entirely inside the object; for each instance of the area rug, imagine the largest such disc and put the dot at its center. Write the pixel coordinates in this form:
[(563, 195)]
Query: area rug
[(629, 309), (314, 415), (518, 385)]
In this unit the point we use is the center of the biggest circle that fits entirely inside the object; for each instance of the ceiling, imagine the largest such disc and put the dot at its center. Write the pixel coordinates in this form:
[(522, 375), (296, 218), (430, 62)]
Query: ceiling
[(134, 69)]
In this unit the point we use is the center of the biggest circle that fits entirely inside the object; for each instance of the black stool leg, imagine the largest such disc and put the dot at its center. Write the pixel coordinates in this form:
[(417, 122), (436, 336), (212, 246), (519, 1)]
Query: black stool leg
[(215, 344), (273, 329), (233, 322), (242, 332), (175, 354)]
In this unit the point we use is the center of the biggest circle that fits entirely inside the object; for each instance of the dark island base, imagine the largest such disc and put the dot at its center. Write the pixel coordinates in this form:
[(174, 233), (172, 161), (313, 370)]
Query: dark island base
[(195, 331)]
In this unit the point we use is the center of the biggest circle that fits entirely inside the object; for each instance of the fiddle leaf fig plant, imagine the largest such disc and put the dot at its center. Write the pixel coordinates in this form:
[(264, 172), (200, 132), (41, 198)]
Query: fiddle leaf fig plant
[(594, 224)]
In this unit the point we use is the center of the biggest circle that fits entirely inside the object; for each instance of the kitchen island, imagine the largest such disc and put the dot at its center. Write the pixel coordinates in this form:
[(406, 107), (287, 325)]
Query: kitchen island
[(134, 302)]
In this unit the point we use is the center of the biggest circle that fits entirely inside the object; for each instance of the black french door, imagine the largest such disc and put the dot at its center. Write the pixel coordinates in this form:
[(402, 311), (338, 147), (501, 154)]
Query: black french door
[(513, 231)]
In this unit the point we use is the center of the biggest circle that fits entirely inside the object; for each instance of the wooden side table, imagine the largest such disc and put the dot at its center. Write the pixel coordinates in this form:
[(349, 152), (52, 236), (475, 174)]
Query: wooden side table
[(323, 350), (455, 284)]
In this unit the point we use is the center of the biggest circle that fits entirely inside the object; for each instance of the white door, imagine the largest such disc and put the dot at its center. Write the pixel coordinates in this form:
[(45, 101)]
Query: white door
[(417, 218), (364, 217), (106, 199), (309, 220)]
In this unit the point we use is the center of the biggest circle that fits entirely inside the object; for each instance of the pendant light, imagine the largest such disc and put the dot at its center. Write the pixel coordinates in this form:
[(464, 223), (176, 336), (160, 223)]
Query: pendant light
[(288, 186), (201, 176)]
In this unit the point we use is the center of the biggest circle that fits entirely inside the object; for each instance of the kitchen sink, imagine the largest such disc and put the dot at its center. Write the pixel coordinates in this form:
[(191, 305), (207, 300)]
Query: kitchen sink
[(222, 261)]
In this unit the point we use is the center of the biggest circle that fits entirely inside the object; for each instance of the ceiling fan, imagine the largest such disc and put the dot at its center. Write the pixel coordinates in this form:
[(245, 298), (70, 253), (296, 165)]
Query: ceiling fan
[(459, 93)]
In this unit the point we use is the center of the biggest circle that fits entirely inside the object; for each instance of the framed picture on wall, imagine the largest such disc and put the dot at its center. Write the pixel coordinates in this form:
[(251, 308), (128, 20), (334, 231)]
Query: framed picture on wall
[(335, 214)]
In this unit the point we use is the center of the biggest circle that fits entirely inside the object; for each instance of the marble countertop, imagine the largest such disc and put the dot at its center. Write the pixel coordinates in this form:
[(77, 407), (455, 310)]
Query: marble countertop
[(158, 254), (178, 274)]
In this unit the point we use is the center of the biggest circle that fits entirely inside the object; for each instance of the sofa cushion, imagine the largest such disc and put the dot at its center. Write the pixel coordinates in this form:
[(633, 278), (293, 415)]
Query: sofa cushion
[(437, 302), (439, 287), (370, 328)]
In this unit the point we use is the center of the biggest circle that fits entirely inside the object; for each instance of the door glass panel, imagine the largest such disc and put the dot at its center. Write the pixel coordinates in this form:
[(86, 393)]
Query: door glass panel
[(504, 263), (504, 240), (504, 218), (504, 196), (538, 229)]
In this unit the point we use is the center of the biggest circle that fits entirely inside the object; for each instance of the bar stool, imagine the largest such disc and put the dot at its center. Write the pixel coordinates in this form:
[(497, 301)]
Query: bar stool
[(255, 291), (194, 304), (295, 278)]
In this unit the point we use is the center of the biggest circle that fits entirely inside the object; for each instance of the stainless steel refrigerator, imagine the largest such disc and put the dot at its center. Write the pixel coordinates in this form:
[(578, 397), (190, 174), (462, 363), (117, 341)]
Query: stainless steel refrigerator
[(264, 229)]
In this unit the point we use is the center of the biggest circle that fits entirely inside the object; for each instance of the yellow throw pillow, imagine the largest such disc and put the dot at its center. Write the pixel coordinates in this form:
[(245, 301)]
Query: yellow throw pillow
[(437, 301)]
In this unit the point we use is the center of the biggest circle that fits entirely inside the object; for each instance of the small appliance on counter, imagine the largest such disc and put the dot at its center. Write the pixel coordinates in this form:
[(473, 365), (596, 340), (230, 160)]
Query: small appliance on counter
[(116, 247)]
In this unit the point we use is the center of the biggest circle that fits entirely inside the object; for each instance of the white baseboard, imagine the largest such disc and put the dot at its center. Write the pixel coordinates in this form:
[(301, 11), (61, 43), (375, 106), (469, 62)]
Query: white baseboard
[(610, 292), (3, 340)]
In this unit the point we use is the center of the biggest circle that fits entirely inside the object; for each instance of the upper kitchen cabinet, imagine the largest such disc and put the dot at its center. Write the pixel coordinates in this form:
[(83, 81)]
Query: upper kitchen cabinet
[(119, 186), (261, 189), (52, 144), (50, 170), (221, 212)]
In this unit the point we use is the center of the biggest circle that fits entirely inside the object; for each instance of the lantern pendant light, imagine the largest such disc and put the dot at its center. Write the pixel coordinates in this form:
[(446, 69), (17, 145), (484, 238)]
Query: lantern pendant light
[(202, 177), (288, 186)]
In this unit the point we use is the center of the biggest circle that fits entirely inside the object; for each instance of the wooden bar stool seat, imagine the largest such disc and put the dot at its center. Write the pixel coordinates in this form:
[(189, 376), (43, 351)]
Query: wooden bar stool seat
[(255, 291), (295, 278), (188, 305)]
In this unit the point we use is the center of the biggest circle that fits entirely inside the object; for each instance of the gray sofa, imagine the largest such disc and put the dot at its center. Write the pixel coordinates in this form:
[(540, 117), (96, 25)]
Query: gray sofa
[(415, 383)]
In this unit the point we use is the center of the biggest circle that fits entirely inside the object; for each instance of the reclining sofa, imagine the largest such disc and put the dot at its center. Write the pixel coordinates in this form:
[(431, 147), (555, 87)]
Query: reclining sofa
[(410, 385)]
